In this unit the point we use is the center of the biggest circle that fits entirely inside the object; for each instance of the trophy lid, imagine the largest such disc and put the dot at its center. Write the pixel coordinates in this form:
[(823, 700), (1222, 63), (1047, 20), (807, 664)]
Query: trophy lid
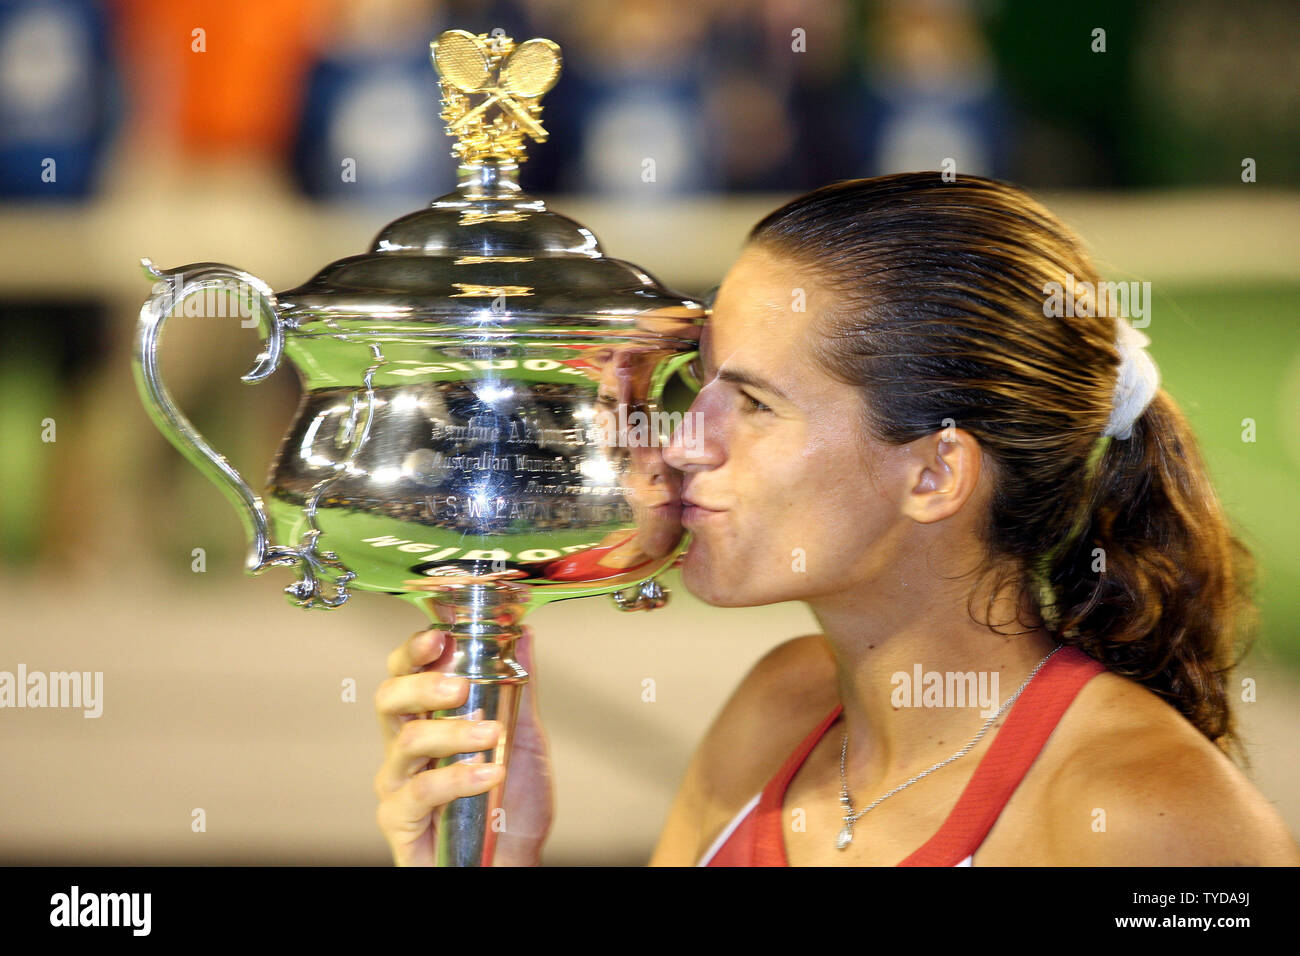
[(486, 258)]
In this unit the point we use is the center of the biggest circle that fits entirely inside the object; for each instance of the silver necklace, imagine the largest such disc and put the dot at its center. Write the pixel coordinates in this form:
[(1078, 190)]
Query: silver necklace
[(846, 805)]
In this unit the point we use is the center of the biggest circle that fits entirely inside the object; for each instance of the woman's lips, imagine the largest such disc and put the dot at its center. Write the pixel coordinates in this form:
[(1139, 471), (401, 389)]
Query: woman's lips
[(694, 514)]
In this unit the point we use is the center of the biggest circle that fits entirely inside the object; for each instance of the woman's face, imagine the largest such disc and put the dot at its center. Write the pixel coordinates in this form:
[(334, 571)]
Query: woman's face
[(780, 459)]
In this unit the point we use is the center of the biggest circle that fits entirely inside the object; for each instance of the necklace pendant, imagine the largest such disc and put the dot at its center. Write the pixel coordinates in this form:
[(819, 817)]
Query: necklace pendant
[(845, 837)]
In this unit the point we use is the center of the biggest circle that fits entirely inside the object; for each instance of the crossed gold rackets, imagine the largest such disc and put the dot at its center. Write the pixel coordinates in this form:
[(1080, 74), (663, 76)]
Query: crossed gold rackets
[(532, 68)]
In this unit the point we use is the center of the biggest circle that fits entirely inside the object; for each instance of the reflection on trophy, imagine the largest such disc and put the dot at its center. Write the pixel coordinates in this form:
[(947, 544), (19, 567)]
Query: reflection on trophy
[(480, 426)]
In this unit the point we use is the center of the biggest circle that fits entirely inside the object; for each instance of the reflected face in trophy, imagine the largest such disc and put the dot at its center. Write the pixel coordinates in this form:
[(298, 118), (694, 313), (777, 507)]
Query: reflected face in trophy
[(780, 490)]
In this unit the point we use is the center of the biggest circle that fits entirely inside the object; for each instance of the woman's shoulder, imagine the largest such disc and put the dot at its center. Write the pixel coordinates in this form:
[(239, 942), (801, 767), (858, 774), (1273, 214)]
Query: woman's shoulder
[(1130, 781), (775, 706)]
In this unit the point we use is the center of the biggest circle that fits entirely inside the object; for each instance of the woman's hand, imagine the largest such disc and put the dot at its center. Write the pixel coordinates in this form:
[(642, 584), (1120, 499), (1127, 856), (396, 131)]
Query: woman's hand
[(410, 793)]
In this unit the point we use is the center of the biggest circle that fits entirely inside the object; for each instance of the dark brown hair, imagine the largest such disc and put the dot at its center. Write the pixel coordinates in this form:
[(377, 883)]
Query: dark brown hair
[(942, 288)]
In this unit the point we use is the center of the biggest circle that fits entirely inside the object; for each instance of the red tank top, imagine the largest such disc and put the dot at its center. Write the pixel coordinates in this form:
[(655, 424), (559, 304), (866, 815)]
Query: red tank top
[(757, 838)]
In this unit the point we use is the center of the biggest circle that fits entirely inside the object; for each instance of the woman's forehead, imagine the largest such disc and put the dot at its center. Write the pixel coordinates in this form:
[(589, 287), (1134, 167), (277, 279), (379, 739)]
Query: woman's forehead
[(751, 333), (760, 309)]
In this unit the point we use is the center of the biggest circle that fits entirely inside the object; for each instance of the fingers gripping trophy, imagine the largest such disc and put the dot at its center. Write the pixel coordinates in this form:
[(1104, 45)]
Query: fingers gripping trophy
[(480, 426)]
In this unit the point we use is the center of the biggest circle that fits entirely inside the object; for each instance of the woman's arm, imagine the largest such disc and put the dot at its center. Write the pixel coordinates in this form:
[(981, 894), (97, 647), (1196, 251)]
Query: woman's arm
[(746, 743)]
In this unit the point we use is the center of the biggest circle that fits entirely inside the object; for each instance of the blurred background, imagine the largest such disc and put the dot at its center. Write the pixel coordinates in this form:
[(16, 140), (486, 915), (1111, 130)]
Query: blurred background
[(205, 131)]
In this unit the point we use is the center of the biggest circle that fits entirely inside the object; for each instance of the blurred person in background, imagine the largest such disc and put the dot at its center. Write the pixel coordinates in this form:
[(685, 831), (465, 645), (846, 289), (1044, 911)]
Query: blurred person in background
[(637, 71), (367, 130), (59, 97), (927, 91), (748, 97)]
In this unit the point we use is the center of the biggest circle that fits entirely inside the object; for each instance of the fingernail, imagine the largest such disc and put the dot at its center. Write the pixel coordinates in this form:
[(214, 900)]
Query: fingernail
[(486, 773), (483, 730)]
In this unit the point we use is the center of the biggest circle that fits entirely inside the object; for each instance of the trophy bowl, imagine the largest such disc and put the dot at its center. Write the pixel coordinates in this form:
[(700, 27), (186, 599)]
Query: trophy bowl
[(481, 421)]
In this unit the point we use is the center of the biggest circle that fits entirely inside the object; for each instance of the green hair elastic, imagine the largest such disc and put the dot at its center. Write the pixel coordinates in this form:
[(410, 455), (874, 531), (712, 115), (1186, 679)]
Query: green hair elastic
[(1042, 568)]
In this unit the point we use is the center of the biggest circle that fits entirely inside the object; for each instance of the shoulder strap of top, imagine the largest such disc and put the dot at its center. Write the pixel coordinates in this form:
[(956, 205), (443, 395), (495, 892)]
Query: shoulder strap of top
[(1016, 745), (769, 833)]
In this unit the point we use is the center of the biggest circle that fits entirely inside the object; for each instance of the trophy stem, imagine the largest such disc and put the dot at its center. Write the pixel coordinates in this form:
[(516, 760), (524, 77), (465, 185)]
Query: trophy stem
[(488, 181), (484, 621)]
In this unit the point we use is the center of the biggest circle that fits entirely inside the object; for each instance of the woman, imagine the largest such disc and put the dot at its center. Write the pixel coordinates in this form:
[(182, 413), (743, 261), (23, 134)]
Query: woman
[(903, 431)]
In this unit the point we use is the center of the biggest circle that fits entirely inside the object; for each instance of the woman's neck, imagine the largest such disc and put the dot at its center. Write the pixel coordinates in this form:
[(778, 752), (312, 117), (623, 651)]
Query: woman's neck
[(917, 676)]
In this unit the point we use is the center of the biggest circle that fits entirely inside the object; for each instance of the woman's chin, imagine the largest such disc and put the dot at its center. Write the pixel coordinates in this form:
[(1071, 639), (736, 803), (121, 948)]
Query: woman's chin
[(696, 577), (699, 579), (711, 583)]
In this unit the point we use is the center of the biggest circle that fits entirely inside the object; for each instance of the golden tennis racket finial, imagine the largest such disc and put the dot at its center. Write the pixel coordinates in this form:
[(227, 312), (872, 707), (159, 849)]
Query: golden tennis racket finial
[(512, 78)]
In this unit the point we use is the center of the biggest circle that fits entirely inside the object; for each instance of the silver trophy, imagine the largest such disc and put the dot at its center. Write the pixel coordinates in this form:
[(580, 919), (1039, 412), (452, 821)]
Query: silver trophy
[(480, 429)]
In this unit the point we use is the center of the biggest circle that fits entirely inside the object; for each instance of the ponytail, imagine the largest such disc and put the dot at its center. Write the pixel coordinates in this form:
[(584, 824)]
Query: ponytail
[(1155, 584)]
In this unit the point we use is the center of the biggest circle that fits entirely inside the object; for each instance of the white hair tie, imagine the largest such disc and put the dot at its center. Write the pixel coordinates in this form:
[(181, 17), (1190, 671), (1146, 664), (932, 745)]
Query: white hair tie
[(1137, 382)]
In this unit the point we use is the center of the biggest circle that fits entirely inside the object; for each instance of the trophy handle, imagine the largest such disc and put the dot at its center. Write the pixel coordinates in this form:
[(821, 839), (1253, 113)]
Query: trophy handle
[(257, 300)]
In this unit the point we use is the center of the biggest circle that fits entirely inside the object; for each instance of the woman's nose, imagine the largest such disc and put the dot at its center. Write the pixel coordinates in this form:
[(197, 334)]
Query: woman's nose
[(696, 441)]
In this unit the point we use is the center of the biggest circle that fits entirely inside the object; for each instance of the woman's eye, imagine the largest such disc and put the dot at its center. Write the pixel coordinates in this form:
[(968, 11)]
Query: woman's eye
[(754, 405)]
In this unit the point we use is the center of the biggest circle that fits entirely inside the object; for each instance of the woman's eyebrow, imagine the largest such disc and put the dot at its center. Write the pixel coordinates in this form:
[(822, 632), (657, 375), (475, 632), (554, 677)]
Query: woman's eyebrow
[(738, 376), (741, 377)]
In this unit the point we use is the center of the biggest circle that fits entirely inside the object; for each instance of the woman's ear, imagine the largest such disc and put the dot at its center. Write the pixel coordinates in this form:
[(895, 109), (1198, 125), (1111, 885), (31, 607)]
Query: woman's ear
[(943, 472)]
